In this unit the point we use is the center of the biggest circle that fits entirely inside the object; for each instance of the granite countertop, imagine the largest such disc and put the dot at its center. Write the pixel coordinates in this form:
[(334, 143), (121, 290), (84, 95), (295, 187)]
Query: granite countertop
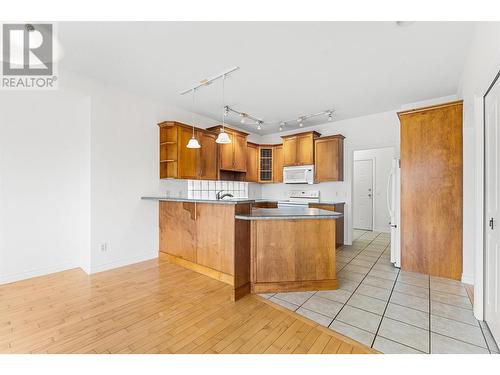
[(288, 213), (201, 200)]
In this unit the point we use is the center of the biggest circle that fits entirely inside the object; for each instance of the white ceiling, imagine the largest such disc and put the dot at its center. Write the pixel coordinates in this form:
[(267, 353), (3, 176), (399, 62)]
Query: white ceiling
[(287, 69)]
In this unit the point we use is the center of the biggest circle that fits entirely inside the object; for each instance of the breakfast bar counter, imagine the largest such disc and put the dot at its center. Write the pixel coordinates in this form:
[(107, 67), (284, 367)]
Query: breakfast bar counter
[(256, 250), (291, 249)]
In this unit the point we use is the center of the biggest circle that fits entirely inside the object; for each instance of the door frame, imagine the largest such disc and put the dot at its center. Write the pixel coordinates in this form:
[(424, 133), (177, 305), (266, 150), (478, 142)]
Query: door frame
[(348, 177), (480, 256), (373, 160)]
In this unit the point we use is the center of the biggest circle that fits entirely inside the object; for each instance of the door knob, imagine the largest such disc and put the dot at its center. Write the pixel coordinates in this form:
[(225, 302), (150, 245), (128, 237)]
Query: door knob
[(491, 223)]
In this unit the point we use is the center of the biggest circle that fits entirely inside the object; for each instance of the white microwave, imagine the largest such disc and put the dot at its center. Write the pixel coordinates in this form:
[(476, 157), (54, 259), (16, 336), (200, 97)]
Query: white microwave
[(303, 174)]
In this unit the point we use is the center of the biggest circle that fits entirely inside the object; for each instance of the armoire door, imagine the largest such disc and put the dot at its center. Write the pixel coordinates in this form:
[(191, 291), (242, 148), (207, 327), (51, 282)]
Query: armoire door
[(431, 190)]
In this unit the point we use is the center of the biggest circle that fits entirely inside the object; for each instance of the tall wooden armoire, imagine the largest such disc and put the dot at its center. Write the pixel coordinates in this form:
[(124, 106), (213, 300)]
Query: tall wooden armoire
[(431, 190)]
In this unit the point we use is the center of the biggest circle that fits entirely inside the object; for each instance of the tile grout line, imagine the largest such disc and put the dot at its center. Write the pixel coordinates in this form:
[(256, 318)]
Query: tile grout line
[(385, 309), (430, 320), (337, 289), (484, 337), (361, 281)]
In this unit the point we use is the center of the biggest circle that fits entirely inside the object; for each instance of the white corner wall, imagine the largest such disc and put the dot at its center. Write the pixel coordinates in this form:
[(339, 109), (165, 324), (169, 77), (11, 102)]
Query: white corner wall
[(73, 166), (481, 66), (43, 144)]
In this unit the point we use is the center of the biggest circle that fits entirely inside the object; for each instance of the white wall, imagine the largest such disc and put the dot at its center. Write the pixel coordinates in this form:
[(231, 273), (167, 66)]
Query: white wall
[(43, 174), (374, 131), (73, 166), (382, 158), (481, 66)]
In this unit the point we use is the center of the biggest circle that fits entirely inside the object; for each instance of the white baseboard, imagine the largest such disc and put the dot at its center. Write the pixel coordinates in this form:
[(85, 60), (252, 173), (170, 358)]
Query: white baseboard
[(468, 279), (17, 276), (123, 262)]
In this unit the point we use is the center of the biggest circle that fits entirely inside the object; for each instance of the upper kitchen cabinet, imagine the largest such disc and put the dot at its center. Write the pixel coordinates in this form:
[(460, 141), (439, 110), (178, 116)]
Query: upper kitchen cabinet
[(178, 161), (252, 162), (298, 149), (329, 158), (207, 155), (278, 163), (266, 164), (232, 156)]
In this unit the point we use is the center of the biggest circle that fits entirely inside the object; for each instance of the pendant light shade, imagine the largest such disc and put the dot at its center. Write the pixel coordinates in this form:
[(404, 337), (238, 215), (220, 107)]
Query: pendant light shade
[(223, 138), (193, 143)]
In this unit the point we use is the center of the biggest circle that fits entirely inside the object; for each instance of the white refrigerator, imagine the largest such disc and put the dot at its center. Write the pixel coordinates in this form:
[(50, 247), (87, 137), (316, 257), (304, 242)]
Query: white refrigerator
[(393, 205)]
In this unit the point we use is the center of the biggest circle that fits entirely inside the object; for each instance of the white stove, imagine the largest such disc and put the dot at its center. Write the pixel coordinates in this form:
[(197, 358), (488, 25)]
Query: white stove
[(300, 198)]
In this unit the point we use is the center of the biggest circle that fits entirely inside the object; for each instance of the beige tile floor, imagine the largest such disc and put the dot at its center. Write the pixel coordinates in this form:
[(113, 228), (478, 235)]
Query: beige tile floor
[(391, 310)]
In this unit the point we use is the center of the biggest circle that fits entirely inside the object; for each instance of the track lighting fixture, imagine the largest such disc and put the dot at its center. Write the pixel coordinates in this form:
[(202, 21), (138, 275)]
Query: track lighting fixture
[(223, 137)]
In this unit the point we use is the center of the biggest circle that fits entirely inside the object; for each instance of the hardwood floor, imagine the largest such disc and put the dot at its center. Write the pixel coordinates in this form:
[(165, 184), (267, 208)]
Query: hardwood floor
[(151, 307)]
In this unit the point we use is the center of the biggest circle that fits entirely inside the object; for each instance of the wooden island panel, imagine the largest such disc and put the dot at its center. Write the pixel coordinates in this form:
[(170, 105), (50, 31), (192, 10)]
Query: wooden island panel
[(293, 255), (178, 238), (205, 238)]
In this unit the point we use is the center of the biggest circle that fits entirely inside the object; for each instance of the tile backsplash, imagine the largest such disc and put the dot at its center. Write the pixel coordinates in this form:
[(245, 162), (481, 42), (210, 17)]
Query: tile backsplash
[(203, 189)]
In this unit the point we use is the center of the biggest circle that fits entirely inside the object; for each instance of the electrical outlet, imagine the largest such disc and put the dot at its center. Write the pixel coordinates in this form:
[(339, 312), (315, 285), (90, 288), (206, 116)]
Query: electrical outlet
[(103, 247)]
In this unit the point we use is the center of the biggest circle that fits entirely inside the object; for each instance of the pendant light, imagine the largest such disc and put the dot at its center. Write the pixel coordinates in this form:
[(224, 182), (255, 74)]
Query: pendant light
[(223, 138), (193, 142)]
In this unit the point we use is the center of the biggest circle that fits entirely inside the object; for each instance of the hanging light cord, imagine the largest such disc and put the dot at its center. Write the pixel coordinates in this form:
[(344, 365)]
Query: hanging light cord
[(194, 91), (223, 101)]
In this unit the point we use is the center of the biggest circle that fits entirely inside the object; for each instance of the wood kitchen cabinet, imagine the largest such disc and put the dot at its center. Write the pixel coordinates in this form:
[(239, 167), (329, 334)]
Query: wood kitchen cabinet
[(207, 161), (290, 151), (232, 156), (178, 161), (265, 164), (206, 238), (278, 163), (431, 190), (329, 158), (179, 237), (339, 223), (252, 162), (298, 149)]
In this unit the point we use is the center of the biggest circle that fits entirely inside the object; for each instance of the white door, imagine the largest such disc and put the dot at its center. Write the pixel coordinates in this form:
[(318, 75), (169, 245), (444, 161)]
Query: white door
[(363, 195), (492, 196)]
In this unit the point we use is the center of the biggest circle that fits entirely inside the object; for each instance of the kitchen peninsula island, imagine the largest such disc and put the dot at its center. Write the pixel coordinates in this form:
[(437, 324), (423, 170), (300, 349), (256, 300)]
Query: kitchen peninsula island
[(255, 250)]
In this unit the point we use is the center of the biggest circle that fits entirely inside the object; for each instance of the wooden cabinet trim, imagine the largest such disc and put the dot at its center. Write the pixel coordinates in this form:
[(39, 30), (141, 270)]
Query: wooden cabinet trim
[(314, 133), (425, 109), (217, 128)]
